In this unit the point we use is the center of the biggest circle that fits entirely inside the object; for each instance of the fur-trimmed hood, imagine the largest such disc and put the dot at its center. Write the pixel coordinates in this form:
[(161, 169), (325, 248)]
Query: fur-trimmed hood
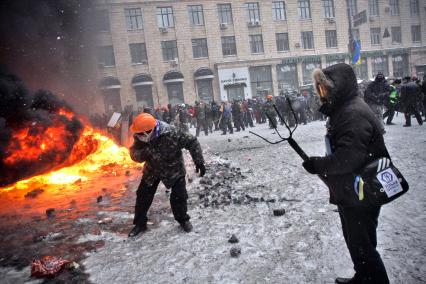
[(340, 82)]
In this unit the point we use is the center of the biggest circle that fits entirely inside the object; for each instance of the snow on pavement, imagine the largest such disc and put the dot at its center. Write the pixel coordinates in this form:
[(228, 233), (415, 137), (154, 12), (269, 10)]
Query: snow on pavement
[(305, 245)]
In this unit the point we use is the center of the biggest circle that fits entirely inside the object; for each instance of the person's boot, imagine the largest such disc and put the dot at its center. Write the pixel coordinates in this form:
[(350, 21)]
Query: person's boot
[(137, 230), (186, 226)]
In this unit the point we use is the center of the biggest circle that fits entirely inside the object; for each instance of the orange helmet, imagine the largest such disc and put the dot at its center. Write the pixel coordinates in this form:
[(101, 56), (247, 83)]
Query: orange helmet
[(143, 122), (269, 97)]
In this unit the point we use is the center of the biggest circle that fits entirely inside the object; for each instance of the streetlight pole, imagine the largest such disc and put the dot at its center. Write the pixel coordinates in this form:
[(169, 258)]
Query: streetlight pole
[(350, 34)]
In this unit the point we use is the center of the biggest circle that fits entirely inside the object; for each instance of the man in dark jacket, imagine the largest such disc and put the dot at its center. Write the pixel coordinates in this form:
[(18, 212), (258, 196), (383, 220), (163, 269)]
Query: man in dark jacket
[(410, 96), (355, 138), (159, 146), (376, 94), (200, 114), (236, 116)]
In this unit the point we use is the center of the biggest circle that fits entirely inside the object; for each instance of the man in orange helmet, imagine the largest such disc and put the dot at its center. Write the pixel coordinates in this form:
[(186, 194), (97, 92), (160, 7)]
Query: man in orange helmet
[(159, 145)]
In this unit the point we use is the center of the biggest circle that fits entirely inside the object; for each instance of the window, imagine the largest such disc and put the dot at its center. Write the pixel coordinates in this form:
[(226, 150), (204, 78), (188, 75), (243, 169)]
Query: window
[(205, 90), (138, 53), (373, 7), (379, 64), (253, 12), (169, 48), (256, 43), (375, 35), (199, 48), (414, 8), (102, 21), (195, 14), (328, 8), (106, 56), (400, 65), (355, 34), (331, 38), (353, 7), (133, 19), (175, 93), (228, 46), (261, 80), (415, 34), (165, 17), (144, 96), (304, 8), (287, 76), (278, 11), (396, 34), (307, 68), (282, 41), (225, 13), (308, 40), (394, 7)]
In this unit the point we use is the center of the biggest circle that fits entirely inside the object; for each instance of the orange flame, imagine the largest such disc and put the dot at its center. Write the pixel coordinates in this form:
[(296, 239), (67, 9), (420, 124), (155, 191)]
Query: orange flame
[(106, 156)]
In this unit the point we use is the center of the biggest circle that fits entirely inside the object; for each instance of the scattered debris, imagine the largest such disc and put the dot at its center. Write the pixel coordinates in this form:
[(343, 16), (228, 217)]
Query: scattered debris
[(233, 239), (279, 212), (50, 212), (73, 265), (34, 193), (206, 180), (235, 251), (47, 266), (106, 220)]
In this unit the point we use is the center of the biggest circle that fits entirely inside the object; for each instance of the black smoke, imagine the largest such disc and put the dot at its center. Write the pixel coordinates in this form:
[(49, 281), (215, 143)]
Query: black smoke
[(48, 43), (20, 109)]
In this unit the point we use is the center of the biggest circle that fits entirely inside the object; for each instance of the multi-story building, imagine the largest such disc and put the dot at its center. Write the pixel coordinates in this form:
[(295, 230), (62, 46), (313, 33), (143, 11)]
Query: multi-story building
[(158, 52)]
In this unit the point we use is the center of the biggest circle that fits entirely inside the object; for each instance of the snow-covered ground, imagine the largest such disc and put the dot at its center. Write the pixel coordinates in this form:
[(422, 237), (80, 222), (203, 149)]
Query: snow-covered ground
[(246, 180), (303, 246)]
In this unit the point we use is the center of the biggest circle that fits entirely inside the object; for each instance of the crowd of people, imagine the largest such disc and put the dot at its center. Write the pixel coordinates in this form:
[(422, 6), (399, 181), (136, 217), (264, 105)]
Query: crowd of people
[(385, 97), (407, 96)]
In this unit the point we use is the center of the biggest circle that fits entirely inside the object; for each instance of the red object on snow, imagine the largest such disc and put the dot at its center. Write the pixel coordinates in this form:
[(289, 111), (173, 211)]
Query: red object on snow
[(47, 266)]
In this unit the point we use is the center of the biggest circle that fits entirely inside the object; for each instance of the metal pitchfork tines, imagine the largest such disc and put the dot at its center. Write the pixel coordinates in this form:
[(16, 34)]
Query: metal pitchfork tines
[(289, 138)]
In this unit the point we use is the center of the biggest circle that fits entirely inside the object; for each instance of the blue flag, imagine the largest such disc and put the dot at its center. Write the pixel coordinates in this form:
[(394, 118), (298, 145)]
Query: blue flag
[(356, 59)]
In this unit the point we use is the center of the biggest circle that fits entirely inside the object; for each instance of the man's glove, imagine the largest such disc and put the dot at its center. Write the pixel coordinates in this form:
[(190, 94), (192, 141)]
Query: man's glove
[(309, 165), (200, 169)]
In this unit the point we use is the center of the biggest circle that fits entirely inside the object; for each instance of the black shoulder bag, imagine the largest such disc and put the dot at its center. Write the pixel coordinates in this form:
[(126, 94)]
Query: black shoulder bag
[(379, 182)]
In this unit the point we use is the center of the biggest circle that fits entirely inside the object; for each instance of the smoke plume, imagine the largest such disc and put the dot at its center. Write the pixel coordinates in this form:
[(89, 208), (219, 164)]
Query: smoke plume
[(37, 131), (48, 43)]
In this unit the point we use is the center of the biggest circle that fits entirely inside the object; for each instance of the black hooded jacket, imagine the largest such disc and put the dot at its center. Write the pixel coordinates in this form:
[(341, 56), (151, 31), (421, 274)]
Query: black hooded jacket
[(378, 91), (354, 134)]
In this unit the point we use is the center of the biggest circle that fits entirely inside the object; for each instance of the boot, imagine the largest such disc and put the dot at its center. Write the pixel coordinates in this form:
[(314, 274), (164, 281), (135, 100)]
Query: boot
[(186, 226), (137, 230)]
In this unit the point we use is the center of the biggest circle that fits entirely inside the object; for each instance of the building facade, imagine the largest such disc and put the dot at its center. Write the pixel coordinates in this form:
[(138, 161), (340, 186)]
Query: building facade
[(158, 52)]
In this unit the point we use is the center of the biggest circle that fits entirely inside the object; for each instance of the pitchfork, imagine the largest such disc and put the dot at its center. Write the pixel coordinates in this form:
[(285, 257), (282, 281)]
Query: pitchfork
[(289, 138)]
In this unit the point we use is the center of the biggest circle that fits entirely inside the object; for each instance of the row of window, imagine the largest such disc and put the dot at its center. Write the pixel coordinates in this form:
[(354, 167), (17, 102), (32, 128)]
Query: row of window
[(165, 17), (200, 48), (376, 34), (373, 7)]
